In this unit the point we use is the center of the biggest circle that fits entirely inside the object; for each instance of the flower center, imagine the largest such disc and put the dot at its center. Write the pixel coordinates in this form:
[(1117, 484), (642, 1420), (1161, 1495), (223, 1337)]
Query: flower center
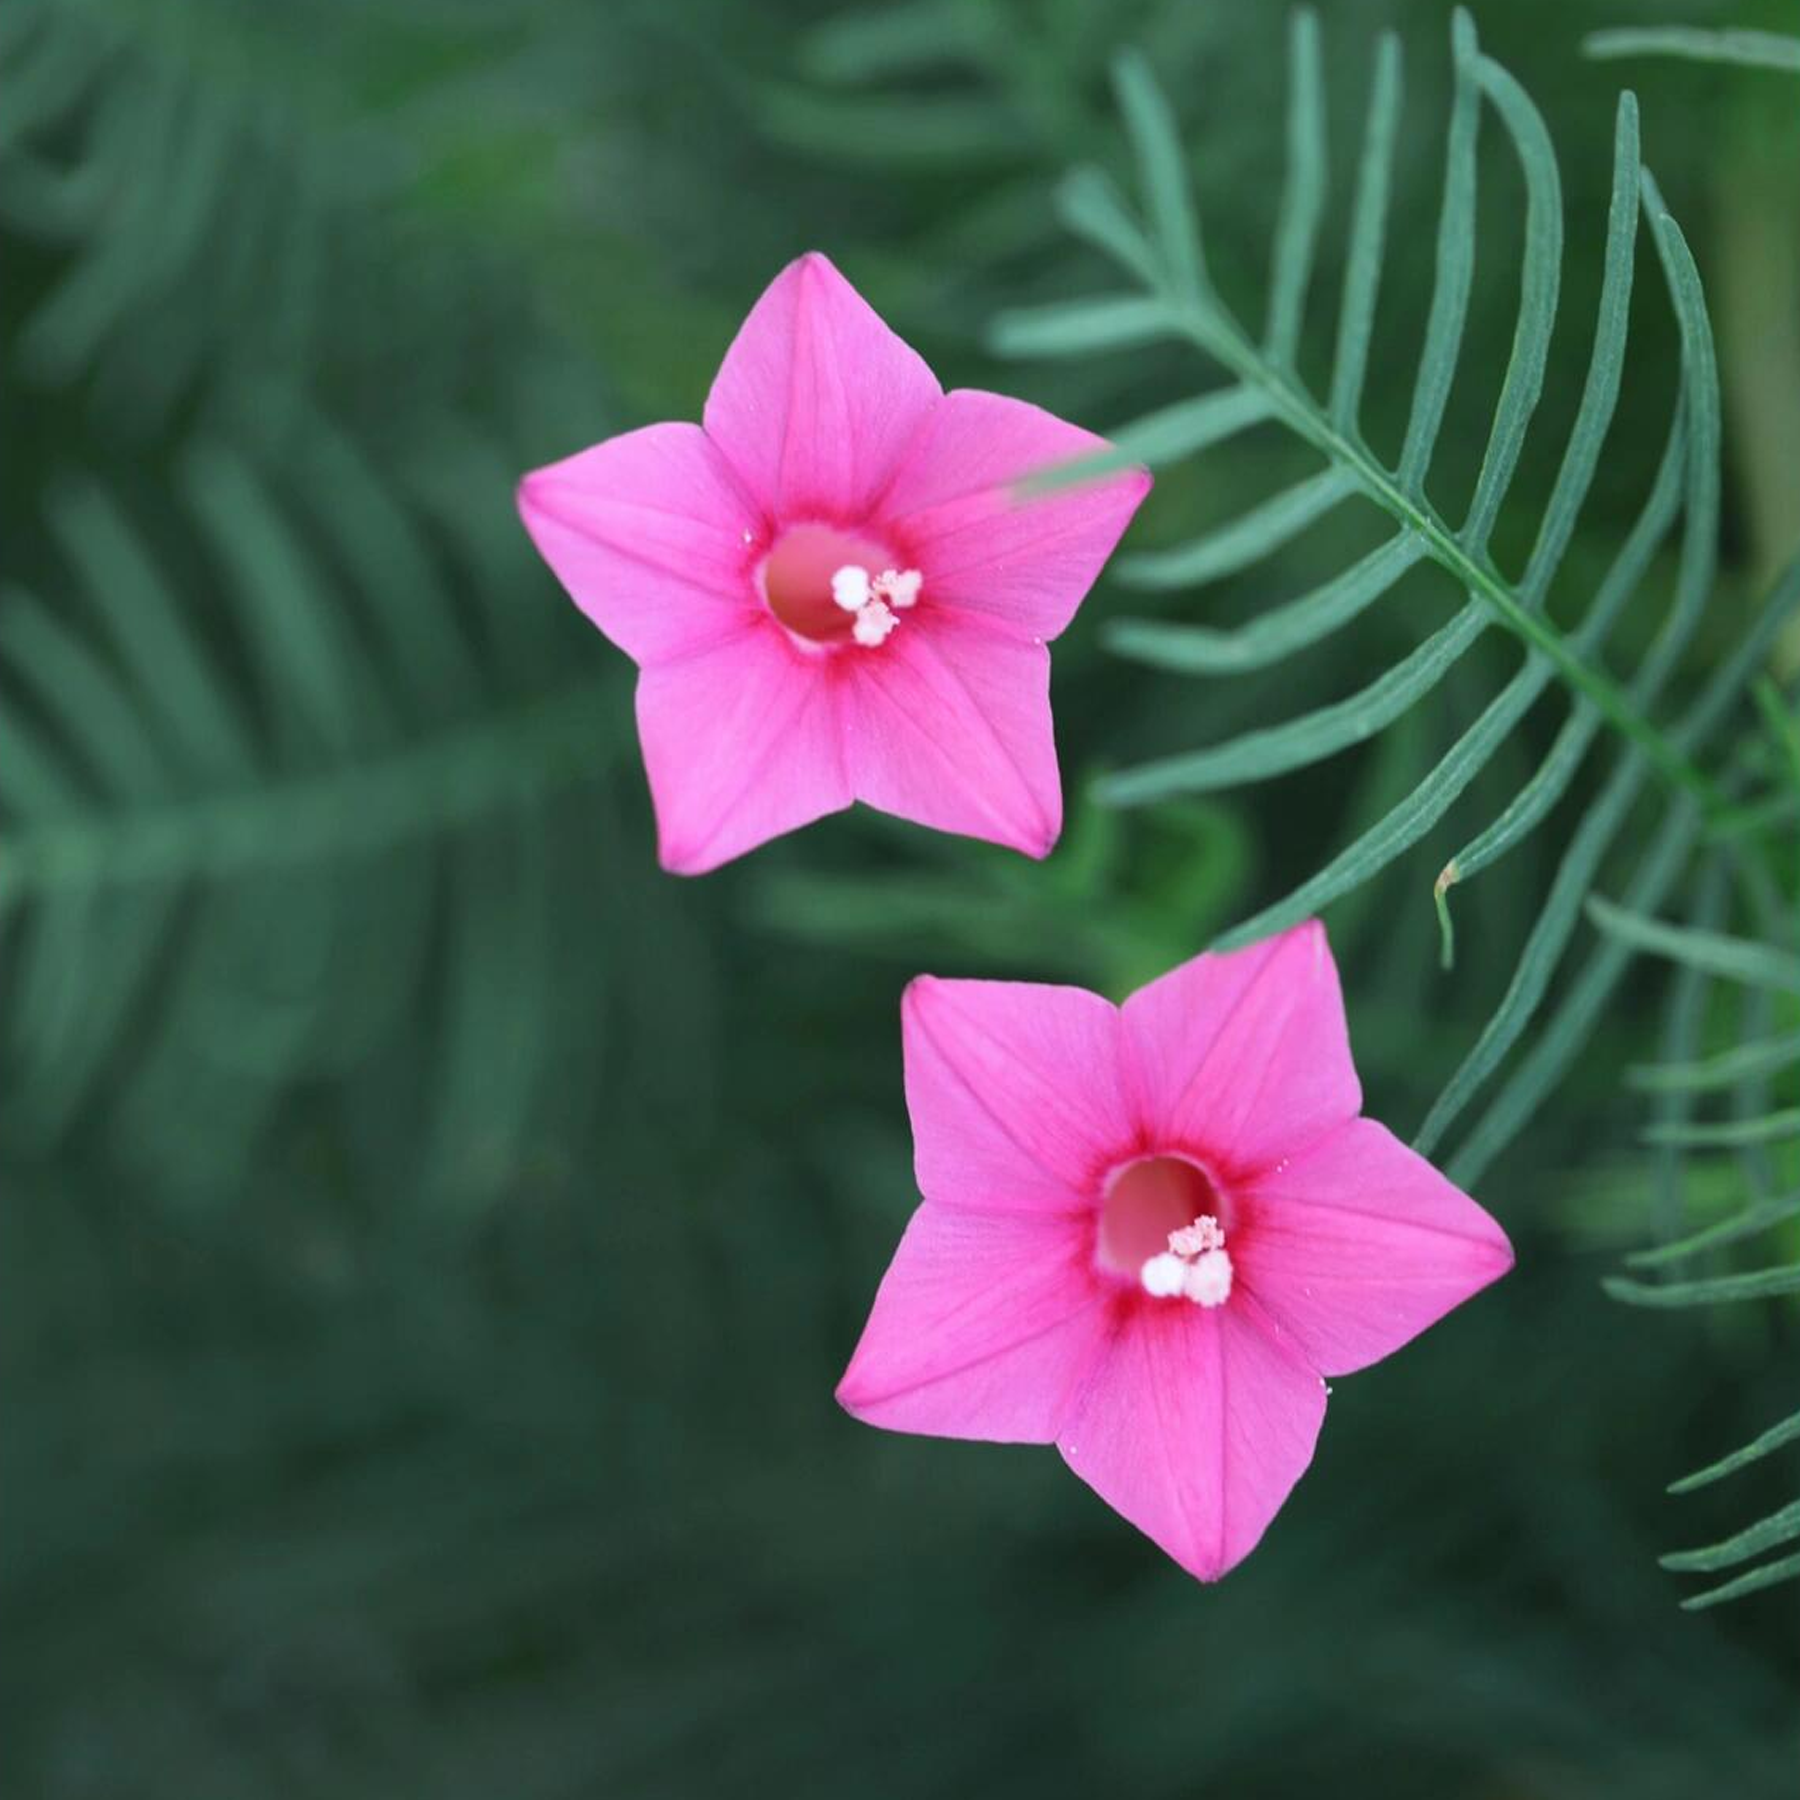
[(1160, 1229), (835, 587)]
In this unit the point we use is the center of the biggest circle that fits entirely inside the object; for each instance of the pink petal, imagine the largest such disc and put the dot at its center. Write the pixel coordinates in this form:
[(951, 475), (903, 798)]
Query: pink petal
[(1245, 1057), (741, 743), (1014, 1093), (1195, 1427), (652, 536), (1357, 1244), (984, 1327), (948, 724), (1026, 562), (817, 398)]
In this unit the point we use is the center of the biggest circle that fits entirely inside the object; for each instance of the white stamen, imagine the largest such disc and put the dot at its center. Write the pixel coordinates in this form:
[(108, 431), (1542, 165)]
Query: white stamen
[(1163, 1276), (1208, 1281), (873, 623), (850, 588), (898, 587), (1196, 1239), (1195, 1266)]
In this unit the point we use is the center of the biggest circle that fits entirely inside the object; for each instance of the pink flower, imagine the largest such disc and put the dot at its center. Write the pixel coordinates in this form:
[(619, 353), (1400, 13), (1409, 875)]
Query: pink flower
[(832, 589), (1150, 1231)]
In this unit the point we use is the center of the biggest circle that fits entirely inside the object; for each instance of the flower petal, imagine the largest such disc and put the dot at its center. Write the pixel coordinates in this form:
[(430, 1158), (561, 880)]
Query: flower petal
[(1014, 1092), (984, 1326), (1025, 561), (741, 743), (816, 398), (949, 725), (1195, 1426), (1357, 1244), (1245, 1056), (652, 536)]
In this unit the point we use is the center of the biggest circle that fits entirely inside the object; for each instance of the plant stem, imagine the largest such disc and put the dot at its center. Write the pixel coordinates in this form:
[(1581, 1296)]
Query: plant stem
[(352, 810), (1221, 338)]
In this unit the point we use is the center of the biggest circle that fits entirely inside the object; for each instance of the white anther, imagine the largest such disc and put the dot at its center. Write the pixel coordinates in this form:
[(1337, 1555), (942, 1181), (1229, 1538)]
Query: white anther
[(1208, 1281), (1196, 1239), (873, 623), (898, 587), (850, 588), (1163, 1276), (1195, 1265)]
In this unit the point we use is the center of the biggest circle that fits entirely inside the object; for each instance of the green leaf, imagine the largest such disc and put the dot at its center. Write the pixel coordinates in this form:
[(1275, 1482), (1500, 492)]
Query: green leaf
[(302, 649), (907, 133), (1769, 1441), (1159, 438), (1275, 635), (1606, 361), (1567, 1031), (1786, 1569), (1262, 755), (1303, 195), (1092, 208), (1714, 1290), (1770, 1128), (1733, 958), (1749, 49), (1260, 533), (35, 781), (1783, 722), (895, 39), (1778, 1528), (1539, 278), (103, 731), (1368, 230), (186, 706), (1080, 327), (181, 885), (1162, 168), (1604, 820), (1550, 781), (1728, 1069), (1267, 527), (1751, 1222), (1455, 267)]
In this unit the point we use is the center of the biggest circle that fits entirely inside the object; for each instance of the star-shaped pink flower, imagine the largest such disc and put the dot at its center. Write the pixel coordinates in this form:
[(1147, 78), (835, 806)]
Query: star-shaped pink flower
[(834, 590), (1150, 1232)]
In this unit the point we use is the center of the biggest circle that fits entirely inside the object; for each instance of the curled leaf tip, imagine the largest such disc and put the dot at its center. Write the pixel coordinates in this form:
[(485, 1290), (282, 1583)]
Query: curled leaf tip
[(1448, 876)]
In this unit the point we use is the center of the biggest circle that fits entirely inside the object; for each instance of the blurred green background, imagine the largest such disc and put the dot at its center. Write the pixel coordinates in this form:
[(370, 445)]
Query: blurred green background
[(432, 1235)]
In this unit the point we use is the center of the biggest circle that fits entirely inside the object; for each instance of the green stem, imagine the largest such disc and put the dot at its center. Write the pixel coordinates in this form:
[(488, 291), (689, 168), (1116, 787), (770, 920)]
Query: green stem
[(1220, 337), (360, 808)]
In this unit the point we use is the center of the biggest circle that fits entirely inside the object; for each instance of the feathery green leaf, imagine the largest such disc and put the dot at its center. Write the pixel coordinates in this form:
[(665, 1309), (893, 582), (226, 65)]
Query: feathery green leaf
[(1749, 49)]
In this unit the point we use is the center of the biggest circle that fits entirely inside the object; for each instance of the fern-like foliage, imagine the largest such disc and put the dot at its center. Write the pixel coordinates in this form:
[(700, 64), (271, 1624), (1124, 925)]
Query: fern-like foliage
[(965, 102), (204, 237), (1750, 1083), (245, 840), (1168, 295), (1675, 777)]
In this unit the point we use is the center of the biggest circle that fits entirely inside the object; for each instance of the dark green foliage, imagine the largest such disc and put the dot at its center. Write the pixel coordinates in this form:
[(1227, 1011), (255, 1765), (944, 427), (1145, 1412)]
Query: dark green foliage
[(432, 1235), (1700, 1268)]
